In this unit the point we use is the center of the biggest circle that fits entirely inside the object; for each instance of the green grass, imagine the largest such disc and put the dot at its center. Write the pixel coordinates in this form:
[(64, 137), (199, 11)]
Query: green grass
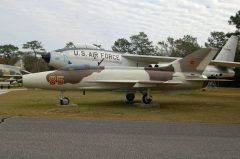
[(213, 106)]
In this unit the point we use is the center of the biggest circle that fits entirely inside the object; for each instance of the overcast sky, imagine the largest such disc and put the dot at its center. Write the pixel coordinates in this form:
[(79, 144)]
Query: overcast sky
[(55, 22)]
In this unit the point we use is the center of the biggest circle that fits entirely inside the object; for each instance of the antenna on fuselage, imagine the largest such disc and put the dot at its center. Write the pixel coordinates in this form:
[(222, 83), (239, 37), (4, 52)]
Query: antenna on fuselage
[(99, 63)]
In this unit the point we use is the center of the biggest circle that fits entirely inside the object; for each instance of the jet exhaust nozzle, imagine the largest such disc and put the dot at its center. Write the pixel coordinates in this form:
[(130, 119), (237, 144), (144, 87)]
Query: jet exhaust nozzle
[(46, 57)]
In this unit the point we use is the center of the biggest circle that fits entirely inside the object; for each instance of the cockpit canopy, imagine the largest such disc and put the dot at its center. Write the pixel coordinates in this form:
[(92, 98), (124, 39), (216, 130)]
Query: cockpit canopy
[(79, 46)]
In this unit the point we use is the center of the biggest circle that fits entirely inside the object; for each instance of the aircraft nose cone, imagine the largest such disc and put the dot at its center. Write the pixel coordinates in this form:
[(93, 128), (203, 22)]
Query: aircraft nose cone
[(46, 57)]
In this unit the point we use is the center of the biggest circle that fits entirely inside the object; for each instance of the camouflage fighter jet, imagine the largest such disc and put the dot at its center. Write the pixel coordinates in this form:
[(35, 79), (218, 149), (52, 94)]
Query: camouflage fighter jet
[(184, 74), (221, 67)]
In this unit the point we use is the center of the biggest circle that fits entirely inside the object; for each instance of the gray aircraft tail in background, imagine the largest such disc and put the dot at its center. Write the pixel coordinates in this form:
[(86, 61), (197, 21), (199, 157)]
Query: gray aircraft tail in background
[(228, 51), (223, 65)]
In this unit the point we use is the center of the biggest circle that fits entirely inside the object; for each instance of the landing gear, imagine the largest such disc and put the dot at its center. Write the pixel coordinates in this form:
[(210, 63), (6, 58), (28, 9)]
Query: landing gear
[(147, 98), (63, 100), (130, 97)]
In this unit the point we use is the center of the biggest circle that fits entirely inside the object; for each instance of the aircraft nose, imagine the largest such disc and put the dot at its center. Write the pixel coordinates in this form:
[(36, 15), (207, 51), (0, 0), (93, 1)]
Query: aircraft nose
[(46, 57)]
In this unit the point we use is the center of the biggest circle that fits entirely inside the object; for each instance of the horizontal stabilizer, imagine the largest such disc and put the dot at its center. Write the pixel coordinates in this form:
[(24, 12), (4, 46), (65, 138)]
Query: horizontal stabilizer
[(225, 64)]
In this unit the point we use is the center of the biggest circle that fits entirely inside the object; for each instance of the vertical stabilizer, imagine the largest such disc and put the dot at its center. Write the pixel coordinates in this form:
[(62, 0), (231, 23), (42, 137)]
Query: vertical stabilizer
[(195, 62), (228, 51)]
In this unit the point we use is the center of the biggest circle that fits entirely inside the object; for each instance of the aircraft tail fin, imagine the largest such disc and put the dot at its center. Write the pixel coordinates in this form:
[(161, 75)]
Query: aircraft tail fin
[(19, 64), (228, 51), (196, 61)]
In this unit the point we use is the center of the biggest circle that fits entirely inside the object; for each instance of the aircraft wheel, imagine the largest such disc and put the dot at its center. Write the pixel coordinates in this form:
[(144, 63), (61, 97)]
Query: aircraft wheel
[(64, 101), (130, 97), (146, 99)]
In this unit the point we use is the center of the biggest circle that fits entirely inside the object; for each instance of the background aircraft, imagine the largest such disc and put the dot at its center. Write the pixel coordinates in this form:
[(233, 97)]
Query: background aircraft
[(221, 67), (183, 74), (10, 75)]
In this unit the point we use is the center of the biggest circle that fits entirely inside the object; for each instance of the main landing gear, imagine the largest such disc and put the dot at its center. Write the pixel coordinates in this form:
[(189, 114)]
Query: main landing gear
[(130, 97), (63, 100), (146, 99)]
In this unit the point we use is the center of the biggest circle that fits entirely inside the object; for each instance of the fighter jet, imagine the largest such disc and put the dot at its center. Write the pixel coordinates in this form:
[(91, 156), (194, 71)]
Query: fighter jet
[(183, 74), (221, 67)]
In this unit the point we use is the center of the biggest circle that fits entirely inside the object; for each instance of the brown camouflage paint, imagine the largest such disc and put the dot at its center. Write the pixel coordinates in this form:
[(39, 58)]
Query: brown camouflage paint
[(74, 76)]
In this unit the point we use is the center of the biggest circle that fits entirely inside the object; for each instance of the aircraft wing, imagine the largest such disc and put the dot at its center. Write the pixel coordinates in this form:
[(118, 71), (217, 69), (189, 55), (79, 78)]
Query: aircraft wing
[(150, 59), (137, 83), (14, 76), (152, 83), (165, 59), (225, 64)]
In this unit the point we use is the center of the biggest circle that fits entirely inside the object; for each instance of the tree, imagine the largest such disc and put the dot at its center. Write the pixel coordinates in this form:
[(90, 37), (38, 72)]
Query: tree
[(30, 64), (35, 46), (217, 39), (70, 45), (165, 48), (8, 49), (235, 20), (11, 60), (122, 45), (141, 45), (185, 46), (179, 47)]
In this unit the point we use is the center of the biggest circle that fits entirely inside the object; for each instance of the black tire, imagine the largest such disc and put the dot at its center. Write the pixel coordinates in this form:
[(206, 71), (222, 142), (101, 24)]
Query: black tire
[(146, 100), (64, 101), (130, 97)]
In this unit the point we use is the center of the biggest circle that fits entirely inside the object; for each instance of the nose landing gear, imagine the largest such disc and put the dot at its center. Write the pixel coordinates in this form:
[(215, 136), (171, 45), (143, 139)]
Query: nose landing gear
[(63, 100)]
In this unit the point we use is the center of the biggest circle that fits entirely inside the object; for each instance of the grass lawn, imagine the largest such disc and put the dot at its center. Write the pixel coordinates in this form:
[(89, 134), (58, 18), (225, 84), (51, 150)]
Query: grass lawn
[(211, 106)]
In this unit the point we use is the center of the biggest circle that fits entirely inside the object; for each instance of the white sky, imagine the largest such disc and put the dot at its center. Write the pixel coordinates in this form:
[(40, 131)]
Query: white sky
[(55, 22)]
